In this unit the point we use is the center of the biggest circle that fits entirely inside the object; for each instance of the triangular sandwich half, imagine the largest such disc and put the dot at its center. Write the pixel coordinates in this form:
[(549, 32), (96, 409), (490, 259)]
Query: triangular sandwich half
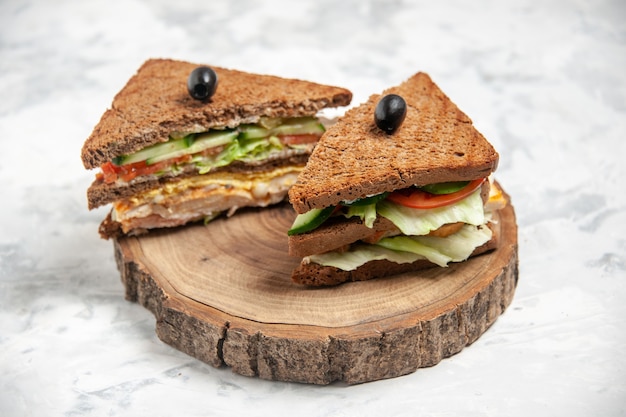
[(372, 204), (166, 159)]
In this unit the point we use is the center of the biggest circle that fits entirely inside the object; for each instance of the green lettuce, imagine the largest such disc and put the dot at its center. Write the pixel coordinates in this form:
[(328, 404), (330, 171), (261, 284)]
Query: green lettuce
[(240, 150), (367, 213), (360, 255), (418, 222), (407, 249)]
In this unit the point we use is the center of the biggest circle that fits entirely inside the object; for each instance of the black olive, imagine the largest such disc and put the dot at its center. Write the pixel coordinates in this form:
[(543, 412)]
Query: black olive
[(202, 83), (390, 113)]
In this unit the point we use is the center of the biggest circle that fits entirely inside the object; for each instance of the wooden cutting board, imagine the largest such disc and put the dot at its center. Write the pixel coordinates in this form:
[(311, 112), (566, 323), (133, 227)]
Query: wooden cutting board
[(222, 293)]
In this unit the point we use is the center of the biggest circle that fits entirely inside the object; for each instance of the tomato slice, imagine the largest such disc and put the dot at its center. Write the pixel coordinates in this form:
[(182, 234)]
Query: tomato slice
[(109, 173), (299, 139), (130, 171), (112, 172), (416, 198)]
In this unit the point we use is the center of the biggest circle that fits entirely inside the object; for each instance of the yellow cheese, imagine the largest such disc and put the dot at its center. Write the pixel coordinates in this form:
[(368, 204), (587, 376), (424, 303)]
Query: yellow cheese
[(496, 200)]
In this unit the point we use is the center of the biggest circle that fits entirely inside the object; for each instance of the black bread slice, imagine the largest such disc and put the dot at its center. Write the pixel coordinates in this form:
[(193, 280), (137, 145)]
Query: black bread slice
[(155, 102)]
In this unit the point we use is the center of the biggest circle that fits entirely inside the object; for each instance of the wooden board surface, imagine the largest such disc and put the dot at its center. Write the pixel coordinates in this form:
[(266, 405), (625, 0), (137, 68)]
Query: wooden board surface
[(222, 293)]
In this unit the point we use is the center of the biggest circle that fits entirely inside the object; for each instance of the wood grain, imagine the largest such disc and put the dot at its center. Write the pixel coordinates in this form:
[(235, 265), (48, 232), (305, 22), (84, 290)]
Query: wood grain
[(222, 293)]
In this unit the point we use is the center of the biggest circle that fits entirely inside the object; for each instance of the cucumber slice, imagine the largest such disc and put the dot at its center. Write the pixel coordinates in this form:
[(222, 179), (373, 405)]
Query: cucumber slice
[(270, 122), (299, 126), (202, 141), (252, 132), (212, 139), (366, 201), (155, 150), (310, 220), (444, 187)]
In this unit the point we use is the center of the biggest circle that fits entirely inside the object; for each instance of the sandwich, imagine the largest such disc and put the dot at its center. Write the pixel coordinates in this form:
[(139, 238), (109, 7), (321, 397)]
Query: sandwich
[(169, 153), (375, 201)]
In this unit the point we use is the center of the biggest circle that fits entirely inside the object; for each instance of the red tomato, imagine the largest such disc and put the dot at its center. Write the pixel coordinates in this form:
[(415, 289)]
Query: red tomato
[(130, 171), (111, 172), (299, 139), (416, 198)]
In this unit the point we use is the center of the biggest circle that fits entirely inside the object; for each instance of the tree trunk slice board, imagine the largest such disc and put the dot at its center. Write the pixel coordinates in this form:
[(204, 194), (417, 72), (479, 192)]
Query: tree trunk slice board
[(222, 293)]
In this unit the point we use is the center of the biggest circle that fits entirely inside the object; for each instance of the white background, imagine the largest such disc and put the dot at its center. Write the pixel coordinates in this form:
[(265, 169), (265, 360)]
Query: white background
[(543, 81)]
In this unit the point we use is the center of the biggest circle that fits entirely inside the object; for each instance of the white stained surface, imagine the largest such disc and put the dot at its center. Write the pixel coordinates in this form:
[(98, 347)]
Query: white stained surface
[(545, 82)]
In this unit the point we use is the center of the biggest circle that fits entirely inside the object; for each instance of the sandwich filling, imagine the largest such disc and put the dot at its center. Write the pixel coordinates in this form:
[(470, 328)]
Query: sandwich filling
[(191, 174), (440, 228), (202, 197), (202, 152)]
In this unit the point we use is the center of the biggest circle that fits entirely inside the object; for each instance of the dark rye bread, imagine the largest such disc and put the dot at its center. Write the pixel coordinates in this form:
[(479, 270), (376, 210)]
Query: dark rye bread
[(110, 229), (437, 142), (155, 102), (334, 234), (317, 275)]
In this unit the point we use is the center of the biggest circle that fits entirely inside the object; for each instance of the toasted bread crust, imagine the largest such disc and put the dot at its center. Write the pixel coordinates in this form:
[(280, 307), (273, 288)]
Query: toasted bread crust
[(110, 229), (335, 234), (155, 102), (317, 275), (436, 143)]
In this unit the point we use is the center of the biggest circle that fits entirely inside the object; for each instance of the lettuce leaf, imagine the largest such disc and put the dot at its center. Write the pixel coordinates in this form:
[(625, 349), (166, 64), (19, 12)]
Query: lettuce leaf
[(441, 250), (419, 222), (367, 213), (406, 249), (360, 255), (240, 150)]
